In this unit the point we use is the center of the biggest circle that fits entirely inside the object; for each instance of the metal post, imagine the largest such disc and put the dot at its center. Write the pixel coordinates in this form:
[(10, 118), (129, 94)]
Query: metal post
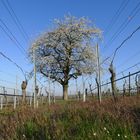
[(98, 71)]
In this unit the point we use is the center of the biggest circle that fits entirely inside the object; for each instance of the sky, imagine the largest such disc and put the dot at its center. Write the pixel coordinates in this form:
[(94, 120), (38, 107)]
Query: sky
[(36, 16)]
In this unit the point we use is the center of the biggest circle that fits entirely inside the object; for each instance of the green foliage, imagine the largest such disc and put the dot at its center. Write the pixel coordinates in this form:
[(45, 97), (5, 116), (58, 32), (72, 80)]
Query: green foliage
[(31, 131)]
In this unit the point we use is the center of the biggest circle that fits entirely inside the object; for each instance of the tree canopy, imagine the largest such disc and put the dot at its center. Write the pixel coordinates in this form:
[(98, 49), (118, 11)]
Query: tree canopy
[(66, 51)]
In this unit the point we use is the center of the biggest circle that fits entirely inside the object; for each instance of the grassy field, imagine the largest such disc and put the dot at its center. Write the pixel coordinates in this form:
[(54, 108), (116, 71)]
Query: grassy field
[(74, 121)]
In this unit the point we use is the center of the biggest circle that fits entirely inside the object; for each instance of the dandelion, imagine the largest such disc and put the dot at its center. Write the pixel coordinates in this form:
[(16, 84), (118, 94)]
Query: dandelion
[(94, 134), (118, 135), (105, 128), (125, 136), (24, 136)]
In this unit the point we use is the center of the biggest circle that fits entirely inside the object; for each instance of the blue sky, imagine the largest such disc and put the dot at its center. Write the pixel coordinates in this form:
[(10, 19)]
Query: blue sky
[(37, 16)]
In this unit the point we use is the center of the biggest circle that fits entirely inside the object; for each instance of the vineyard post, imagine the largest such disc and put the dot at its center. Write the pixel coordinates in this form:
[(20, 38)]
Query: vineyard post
[(84, 96), (77, 90), (53, 92), (129, 84), (34, 57), (15, 93), (37, 103), (90, 90), (4, 91), (42, 99), (54, 98), (99, 73), (14, 98), (1, 102), (98, 90), (30, 100), (124, 90), (49, 92), (113, 78), (137, 83)]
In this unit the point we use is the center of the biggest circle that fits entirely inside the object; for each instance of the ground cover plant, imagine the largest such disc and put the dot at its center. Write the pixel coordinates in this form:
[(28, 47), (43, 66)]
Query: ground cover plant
[(74, 120)]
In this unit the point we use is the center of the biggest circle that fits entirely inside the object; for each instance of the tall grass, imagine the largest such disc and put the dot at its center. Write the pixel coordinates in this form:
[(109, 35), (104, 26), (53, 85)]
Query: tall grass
[(74, 121)]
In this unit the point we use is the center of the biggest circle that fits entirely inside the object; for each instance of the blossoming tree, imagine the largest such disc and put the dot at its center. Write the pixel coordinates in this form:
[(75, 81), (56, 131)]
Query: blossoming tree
[(66, 51)]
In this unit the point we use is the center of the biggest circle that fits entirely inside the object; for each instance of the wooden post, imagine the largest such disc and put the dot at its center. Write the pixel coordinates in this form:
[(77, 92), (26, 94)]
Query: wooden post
[(138, 84), (98, 89), (98, 74), (53, 92), (129, 84), (86, 92), (112, 78), (90, 90), (124, 90), (23, 87)]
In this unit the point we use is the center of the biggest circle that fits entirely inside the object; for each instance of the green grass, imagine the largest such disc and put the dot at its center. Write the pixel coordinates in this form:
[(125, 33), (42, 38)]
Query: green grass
[(75, 121)]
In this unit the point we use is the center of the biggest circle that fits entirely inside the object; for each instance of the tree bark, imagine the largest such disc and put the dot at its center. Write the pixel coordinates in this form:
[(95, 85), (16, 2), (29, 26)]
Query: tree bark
[(23, 87), (65, 92), (23, 95), (112, 79)]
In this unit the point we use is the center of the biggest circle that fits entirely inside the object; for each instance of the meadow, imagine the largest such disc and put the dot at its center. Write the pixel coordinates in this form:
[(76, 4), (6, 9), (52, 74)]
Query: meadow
[(74, 120)]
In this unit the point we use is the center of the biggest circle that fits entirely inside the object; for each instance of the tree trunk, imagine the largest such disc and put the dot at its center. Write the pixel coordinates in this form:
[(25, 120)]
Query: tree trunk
[(23, 87), (23, 95), (113, 87), (65, 92), (113, 78)]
